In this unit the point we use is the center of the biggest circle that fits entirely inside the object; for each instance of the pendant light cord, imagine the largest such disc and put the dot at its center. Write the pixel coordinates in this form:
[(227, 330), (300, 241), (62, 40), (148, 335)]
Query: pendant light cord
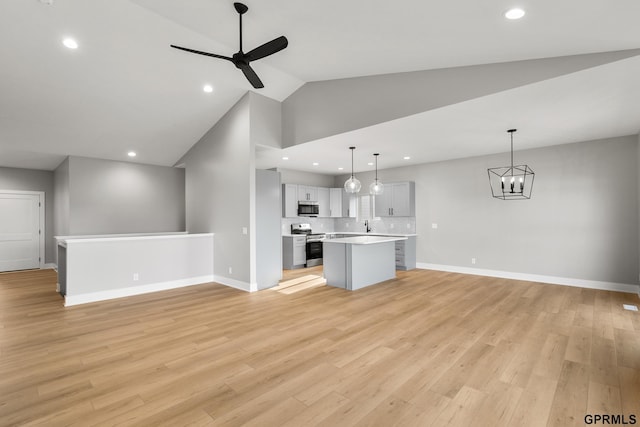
[(352, 148), (511, 153), (376, 156)]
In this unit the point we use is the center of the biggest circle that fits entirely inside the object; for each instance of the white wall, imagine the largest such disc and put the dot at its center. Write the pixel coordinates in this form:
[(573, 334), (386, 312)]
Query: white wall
[(104, 268), (34, 180), (581, 222)]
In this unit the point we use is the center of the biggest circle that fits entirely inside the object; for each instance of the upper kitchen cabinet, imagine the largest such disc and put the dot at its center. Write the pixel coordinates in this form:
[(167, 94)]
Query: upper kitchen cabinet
[(398, 199), (335, 202), (324, 208), (307, 193), (289, 200)]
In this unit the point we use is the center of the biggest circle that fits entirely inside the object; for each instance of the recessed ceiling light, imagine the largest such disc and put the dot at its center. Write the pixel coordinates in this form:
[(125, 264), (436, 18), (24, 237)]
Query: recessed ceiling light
[(340, 169), (407, 158), (70, 43), (285, 158), (514, 13), (315, 163), (208, 88), (370, 163), (131, 154)]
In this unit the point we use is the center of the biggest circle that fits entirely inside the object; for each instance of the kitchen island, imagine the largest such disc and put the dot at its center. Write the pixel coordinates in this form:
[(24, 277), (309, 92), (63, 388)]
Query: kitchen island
[(356, 262)]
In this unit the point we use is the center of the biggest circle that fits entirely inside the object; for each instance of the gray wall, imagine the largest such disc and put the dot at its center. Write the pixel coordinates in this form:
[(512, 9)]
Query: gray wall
[(61, 205), (218, 190), (265, 121), (321, 109), (34, 180), (109, 197), (581, 222), (307, 178), (268, 238)]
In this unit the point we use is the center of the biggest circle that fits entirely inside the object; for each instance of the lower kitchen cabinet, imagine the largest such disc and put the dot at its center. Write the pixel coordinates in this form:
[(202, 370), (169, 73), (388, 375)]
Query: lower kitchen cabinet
[(406, 254), (294, 252)]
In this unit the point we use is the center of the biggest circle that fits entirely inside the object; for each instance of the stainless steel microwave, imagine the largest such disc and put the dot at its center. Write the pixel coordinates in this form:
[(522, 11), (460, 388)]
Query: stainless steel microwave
[(308, 209)]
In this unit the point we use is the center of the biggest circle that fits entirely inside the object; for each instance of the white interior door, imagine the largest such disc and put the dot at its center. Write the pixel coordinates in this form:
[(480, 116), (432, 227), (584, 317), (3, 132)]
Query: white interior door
[(19, 231)]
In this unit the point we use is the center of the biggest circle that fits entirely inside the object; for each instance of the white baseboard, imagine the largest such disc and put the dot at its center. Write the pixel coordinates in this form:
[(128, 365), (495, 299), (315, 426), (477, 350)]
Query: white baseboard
[(233, 283), (70, 300), (554, 280), (50, 265)]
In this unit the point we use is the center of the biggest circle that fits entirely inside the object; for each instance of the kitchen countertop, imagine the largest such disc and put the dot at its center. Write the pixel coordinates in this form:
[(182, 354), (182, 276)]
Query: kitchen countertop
[(358, 233), (372, 233), (365, 240)]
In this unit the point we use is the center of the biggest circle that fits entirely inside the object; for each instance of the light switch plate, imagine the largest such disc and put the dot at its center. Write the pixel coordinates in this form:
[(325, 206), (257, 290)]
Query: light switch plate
[(630, 307)]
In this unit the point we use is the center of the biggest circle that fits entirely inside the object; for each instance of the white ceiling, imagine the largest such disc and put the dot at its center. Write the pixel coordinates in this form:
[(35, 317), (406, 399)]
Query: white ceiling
[(125, 89)]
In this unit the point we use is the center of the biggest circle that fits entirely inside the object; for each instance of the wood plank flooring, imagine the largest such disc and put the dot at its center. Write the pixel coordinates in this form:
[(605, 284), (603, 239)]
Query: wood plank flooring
[(426, 349)]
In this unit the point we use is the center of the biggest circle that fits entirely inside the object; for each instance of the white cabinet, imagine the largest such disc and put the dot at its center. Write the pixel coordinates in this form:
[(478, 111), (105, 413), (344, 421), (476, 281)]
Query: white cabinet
[(349, 205), (307, 193), (294, 251), (398, 199), (289, 200), (324, 206), (335, 202)]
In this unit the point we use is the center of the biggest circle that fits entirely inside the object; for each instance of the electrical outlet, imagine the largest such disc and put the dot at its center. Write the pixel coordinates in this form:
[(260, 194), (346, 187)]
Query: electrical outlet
[(230, 270), (408, 226), (136, 276), (244, 230), (434, 225), (391, 225), (473, 260)]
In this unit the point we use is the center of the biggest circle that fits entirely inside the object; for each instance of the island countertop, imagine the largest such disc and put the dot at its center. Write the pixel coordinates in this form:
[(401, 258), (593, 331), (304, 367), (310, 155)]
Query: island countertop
[(371, 233), (365, 240)]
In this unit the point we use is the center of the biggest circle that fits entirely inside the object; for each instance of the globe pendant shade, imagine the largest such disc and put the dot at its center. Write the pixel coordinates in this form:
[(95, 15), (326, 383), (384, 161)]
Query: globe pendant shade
[(376, 188), (352, 185)]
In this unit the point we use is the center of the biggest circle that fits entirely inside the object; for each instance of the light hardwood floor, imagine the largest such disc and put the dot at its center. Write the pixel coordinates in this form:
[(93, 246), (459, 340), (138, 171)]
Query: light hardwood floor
[(427, 349)]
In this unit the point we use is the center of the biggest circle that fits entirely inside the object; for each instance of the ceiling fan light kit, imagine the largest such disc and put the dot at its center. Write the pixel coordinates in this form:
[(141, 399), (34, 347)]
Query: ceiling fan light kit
[(511, 182), (241, 59)]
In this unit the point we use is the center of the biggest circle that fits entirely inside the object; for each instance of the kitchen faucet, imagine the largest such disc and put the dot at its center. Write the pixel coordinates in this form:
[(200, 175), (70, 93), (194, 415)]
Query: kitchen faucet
[(366, 225)]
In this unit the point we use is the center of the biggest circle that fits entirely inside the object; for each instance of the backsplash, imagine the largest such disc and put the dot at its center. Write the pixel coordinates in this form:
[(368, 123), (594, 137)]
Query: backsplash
[(400, 225), (319, 225)]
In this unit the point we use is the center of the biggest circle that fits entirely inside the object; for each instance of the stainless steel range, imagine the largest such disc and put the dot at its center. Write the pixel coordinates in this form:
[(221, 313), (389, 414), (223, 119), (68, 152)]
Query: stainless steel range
[(314, 243)]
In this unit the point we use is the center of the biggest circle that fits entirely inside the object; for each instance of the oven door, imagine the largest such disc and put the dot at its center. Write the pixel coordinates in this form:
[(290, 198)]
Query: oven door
[(314, 253)]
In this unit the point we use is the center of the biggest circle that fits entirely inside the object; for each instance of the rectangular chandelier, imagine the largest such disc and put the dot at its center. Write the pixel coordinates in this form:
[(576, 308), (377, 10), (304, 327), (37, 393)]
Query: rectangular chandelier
[(511, 183)]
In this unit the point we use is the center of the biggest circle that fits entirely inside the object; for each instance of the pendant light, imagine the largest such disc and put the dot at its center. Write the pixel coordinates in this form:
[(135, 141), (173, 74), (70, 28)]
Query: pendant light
[(352, 185), (519, 179), (376, 188)]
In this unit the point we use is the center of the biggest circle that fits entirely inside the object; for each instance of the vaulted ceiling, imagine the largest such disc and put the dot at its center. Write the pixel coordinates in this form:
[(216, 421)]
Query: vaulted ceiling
[(125, 89)]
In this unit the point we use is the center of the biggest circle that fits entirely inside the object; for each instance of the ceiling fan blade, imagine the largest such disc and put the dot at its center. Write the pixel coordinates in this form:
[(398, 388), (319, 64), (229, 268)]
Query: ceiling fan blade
[(202, 53), (251, 76), (269, 48)]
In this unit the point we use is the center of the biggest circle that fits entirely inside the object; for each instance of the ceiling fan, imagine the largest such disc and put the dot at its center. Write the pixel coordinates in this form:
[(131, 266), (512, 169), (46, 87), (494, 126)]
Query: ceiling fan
[(240, 59)]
